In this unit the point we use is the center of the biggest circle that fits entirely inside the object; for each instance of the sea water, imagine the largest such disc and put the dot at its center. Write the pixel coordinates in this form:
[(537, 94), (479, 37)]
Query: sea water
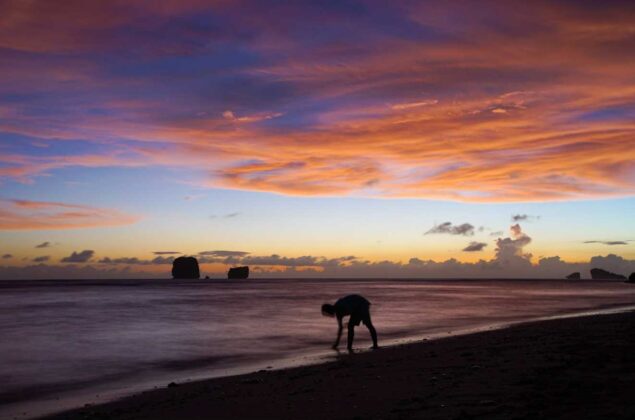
[(64, 343)]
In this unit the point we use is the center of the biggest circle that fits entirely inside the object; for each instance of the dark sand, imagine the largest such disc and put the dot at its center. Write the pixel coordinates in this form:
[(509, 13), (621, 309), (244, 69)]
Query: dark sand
[(579, 368)]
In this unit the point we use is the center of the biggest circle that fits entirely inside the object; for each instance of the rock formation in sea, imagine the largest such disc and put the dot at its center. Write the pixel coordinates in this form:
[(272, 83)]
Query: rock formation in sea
[(238, 273), (599, 274), (185, 268), (574, 276), (631, 278)]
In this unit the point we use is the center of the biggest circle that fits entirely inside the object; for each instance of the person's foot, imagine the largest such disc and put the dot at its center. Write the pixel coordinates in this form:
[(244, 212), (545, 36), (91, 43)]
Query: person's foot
[(375, 347)]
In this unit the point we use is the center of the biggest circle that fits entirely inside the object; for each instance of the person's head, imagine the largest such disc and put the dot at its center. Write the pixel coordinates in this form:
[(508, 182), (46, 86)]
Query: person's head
[(328, 309)]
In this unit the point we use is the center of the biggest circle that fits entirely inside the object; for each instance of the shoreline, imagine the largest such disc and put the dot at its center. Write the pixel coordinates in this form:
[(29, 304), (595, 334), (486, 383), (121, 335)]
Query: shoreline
[(67, 389), (233, 396)]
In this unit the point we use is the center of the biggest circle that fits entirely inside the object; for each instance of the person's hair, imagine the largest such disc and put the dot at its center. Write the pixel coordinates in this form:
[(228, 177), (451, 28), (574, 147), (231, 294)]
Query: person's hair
[(328, 309)]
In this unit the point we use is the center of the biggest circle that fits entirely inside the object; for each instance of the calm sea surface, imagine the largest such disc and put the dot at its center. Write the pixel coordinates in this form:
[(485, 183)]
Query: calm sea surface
[(66, 342)]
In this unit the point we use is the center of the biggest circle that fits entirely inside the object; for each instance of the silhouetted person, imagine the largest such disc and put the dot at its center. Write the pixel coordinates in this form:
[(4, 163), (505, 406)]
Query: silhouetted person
[(358, 308)]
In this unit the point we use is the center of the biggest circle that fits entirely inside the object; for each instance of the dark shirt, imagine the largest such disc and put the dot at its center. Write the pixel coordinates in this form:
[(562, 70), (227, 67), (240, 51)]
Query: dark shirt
[(351, 305)]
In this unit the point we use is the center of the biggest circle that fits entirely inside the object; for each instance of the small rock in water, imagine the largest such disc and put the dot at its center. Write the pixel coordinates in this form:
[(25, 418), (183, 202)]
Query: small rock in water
[(172, 385)]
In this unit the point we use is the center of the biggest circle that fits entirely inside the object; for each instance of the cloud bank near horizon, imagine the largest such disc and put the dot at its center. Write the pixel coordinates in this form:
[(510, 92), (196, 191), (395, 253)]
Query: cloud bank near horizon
[(526, 101), (321, 267), (510, 261)]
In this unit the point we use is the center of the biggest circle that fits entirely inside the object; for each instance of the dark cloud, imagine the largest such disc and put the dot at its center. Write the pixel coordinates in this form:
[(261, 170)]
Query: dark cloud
[(43, 258), (350, 267), (136, 261), (475, 246), (79, 257), (7, 256), (464, 229), (304, 261), (608, 242), (162, 260), (509, 251), (613, 263), (79, 271), (275, 260), (122, 260), (226, 216), (43, 245), (166, 252), (222, 253), (524, 218)]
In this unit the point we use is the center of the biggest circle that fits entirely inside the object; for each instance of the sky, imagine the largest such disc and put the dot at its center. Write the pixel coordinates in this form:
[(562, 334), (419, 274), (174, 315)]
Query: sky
[(331, 138)]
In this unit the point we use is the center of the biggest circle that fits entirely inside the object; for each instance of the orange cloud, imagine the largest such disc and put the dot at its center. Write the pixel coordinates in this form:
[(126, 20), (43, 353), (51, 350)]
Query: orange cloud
[(43, 215), (531, 101)]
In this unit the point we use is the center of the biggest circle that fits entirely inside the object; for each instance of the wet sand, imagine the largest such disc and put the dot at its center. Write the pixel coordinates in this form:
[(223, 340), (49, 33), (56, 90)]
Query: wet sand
[(566, 368)]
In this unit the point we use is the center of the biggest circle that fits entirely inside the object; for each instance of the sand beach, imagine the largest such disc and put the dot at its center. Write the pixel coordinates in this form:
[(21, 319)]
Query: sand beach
[(581, 367)]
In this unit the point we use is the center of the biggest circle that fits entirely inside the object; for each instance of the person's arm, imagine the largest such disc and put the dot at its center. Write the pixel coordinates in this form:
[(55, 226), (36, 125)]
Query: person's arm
[(339, 332)]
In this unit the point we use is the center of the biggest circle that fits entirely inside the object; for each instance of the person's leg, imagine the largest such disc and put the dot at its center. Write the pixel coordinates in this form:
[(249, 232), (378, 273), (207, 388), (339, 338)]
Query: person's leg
[(351, 334), (373, 334), (371, 328)]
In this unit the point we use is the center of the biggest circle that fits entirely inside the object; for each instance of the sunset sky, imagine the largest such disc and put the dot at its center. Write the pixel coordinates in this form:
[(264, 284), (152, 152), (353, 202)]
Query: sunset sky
[(343, 138)]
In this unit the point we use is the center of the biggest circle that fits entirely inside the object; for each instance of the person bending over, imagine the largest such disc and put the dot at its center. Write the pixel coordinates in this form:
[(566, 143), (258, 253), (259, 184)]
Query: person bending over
[(357, 307)]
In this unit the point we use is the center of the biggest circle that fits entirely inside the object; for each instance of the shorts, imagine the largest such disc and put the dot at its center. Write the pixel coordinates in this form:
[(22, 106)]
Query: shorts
[(360, 315)]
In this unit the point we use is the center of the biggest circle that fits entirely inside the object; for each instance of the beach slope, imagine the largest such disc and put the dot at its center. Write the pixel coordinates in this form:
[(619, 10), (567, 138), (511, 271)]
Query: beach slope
[(560, 369)]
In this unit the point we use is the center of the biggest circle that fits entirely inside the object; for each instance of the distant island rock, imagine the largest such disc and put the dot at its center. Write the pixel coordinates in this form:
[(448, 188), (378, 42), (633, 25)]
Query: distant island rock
[(631, 278), (599, 274), (238, 273), (574, 276), (185, 268)]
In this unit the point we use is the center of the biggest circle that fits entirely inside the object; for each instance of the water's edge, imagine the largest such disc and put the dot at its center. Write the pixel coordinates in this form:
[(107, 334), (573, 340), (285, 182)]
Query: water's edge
[(105, 393)]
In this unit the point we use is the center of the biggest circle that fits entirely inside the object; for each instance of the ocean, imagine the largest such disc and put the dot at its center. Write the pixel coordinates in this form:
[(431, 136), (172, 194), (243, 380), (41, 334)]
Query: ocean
[(67, 342)]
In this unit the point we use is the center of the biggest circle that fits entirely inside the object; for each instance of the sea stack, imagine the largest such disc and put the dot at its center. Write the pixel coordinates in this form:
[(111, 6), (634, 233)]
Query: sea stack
[(185, 268), (631, 278), (238, 273), (599, 274), (574, 276)]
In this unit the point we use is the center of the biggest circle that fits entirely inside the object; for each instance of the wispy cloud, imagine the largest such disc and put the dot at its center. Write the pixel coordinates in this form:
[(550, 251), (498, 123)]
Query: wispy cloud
[(42, 258), (229, 115), (409, 105), (223, 253), (43, 245), (515, 116), (44, 215)]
